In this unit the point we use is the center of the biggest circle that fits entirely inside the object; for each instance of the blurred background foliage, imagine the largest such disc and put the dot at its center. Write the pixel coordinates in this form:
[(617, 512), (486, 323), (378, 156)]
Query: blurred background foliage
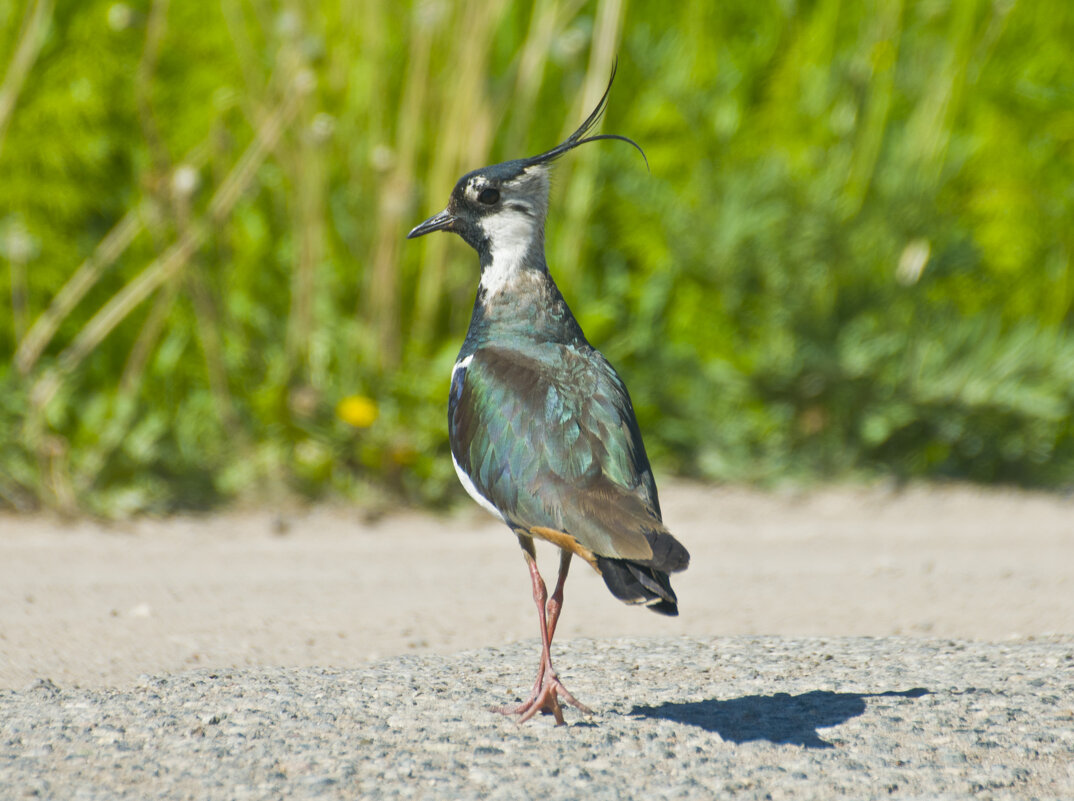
[(852, 255)]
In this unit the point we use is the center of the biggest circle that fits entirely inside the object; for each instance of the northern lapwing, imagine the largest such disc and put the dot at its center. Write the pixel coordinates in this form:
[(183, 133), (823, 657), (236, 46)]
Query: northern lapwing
[(542, 431)]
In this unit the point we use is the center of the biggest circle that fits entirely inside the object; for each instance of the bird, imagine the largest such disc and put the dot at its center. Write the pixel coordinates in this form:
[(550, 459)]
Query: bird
[(542, 430)]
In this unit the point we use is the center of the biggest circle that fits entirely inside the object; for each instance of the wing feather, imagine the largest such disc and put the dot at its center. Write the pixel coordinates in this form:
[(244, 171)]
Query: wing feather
[(548, 436)]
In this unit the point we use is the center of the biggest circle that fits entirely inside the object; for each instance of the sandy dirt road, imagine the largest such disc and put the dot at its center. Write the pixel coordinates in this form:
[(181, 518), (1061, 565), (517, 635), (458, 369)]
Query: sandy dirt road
[(94, 605)]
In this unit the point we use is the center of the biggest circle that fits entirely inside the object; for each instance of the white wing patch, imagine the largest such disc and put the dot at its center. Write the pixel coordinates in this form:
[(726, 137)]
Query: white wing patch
[(472, 491), (461, 364), (464, 479)]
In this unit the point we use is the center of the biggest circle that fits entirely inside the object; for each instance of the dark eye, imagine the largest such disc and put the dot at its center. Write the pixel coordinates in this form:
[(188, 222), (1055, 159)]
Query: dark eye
[(489, 196)]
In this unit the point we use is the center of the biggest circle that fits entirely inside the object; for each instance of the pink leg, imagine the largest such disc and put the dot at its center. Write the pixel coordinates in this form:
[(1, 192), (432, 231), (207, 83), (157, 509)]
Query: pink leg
[(555, 603), (543, 698)]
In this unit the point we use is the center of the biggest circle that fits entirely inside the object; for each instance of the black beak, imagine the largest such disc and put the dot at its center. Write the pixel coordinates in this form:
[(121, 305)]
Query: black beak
[(440, 222)]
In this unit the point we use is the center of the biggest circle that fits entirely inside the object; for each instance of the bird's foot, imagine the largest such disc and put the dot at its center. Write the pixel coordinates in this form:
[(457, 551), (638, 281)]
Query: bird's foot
[(544, 698)]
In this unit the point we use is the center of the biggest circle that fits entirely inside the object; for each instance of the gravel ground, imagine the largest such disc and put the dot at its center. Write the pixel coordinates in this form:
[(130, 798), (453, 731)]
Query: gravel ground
[(917, 643), (682, 717)]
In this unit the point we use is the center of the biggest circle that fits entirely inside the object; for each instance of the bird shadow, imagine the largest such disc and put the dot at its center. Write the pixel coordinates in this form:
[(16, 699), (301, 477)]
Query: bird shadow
[(780, 718)]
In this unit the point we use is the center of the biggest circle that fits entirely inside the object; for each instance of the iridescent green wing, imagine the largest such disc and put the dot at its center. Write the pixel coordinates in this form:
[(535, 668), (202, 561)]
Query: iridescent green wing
[(547, 435)]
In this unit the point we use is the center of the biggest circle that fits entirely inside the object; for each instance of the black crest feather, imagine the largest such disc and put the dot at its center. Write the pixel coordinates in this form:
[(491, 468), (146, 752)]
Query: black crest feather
[(579, 136)]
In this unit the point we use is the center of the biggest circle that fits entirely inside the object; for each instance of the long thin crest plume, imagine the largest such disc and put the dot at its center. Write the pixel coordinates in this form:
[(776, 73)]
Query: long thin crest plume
[(579, 136)]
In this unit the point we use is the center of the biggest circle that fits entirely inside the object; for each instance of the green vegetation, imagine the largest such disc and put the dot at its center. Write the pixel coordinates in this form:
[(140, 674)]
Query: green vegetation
[(853, 252)]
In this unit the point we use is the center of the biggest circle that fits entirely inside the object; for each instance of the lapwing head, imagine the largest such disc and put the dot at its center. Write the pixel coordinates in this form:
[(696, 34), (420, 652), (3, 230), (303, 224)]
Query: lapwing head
[(502, 208)]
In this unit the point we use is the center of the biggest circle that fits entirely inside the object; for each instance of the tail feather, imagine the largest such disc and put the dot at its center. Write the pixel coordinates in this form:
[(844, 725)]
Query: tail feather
[(639, 584), (646, 582), (669, 555)]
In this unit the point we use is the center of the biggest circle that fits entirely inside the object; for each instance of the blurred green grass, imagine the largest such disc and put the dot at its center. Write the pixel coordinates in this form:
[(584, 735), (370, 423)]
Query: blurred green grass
[(852, 255)]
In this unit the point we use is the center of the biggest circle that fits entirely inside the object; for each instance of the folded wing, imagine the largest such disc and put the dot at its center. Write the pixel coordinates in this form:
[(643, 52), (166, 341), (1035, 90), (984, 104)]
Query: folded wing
[(548, 436)]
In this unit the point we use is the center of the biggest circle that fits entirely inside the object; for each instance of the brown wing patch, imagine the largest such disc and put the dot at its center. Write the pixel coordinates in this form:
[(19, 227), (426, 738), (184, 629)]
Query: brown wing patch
[(565, 541)]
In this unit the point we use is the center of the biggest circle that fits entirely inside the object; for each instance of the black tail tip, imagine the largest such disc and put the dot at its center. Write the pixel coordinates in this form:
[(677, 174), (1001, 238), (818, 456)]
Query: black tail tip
[(639, 584), (665, 608)]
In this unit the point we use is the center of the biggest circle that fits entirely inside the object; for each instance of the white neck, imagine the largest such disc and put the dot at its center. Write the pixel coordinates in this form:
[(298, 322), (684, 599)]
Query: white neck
[(511, 236)]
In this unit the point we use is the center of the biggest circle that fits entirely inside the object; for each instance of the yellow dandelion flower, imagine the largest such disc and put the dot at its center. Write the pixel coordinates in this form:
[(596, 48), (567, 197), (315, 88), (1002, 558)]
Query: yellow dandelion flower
[(357, 410)]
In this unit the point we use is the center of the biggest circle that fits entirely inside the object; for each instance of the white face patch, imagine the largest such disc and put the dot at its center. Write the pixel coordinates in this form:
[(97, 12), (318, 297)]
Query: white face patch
[(474, 187), (512, 226)]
